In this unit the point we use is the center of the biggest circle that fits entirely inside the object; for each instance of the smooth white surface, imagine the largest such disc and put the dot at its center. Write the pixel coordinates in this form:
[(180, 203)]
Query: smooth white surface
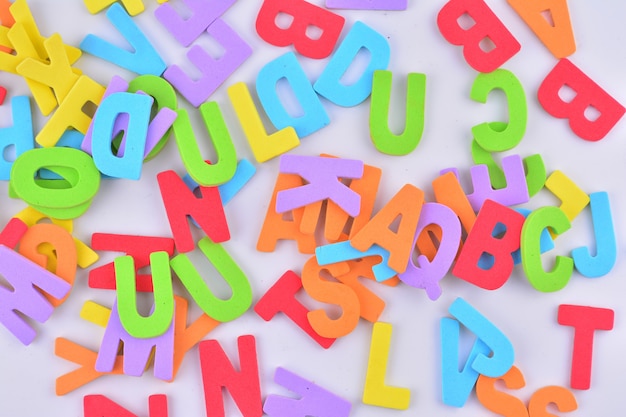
[(526, 316)]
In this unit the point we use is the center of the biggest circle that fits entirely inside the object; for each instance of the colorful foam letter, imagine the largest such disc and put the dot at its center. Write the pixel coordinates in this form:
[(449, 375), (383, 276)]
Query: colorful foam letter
[(312, 117), (101, 406), (360, 38), (500, 402), (304, 15), (376, 392), (588, 94), (487, 25), (133, 7), (585, 321), (313, 400), (382, 137), (19, 134), (219, 373)]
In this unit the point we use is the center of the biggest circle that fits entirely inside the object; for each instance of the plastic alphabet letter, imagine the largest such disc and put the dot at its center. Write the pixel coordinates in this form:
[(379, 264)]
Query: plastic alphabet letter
[(23, 276), (406, 204), (213, 71), (588, 94), (180, 202), (143, 59), (203, 14), (203, 173), (486, 26), (287, 67), (376, 392), (481, 239), (264, 146), (322, 176), (214, 307), (382, 137), (313, 400), (219, 373), (137, 352), (606, 248), (585, 321), (137, 109), (361, 38), (541, 280), (501, 360), (281, 298), (304, 15), (499, 140), (162, 312)]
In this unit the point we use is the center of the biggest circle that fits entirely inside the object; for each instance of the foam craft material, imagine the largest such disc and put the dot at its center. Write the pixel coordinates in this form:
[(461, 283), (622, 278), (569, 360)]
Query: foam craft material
[(481, 239), (95, 313), (588, 94), (204, 174), (359, 39), (382, 137), (499, 140), (86, 373), (70, 113), (376, 392), (600, 264), (499, 402), (166, 101), (133, 7), (501, 359), (213, 71), (573, 199), (70, 139), (344, 251), (546, 243), (277, 227), (201, 15), (561, 397), (180, 203), (264, 146), (367, 4), (585, 320), (162, 312), (56, 74), (63, 259), (137, 352), (540, 279), (304, 15), (487, 25), (322, 176), (218, 373), (311, 116), (371, 306), (141, 59), (555, 31), (533, 164), (86, 256), (6, 18), (216, 308), (101, 406), (312, 400), (19, 135), (406, 203), (336, 220), (12, 233), (448, 192), (427, 274), (516, 191), (281, 298), (243, 174), (73, 165), (3, 94), (138, 108), (23, 276), (330, 292), (456, 386)]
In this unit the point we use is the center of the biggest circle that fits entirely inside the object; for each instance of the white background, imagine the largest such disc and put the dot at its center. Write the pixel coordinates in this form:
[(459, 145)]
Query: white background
[(526, 316)]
